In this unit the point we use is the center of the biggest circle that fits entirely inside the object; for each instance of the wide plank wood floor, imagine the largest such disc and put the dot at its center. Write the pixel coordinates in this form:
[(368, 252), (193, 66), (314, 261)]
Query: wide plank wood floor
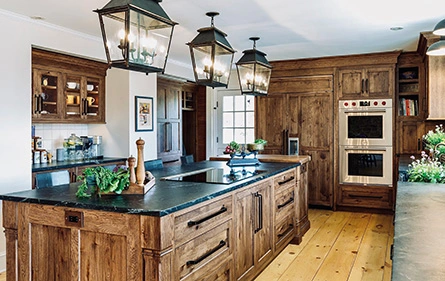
[(339, 246)]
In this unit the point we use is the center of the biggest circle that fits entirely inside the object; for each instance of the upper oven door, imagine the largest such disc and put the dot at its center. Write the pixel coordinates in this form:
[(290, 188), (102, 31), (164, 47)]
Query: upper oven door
[(365, 126)]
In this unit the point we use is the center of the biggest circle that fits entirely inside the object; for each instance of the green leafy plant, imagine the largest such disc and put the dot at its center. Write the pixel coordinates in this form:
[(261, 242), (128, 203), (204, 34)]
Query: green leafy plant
[(426, 169), (102, 180), (433, 138), (260, 141)]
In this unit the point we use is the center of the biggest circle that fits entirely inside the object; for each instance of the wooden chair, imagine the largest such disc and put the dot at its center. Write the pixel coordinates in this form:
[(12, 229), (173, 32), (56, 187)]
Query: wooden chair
[(153, 164), (52, 178)]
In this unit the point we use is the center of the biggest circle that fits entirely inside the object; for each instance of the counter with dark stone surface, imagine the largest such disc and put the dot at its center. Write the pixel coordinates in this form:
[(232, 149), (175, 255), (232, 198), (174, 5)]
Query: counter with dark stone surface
[(419, 232), (164, 198)]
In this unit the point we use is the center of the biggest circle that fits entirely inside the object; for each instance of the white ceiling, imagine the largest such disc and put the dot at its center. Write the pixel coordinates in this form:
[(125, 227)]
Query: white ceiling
[(289, 29)]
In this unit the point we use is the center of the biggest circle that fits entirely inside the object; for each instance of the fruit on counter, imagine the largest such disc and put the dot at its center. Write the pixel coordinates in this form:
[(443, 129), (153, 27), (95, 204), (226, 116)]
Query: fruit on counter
[(233, 147), (260, 141)]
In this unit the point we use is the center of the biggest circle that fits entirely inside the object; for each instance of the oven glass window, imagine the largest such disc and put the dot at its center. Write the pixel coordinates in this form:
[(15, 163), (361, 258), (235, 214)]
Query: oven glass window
[(369, 127), (363, 164)]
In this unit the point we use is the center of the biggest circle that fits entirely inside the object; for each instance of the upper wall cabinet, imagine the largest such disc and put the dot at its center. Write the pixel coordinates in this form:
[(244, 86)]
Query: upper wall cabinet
[(366, 82), (67, 89)]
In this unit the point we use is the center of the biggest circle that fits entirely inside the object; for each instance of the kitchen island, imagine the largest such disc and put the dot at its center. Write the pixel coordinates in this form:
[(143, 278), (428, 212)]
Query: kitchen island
[(419, 228), (178, 230)]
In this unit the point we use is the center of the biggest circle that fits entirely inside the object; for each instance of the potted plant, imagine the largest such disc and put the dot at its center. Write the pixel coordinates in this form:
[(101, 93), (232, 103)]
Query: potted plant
[(101, 180), (257, 145)]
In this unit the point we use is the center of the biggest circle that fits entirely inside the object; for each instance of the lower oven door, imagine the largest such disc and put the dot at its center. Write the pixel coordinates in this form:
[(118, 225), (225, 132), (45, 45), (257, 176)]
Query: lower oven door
[(366, 165)]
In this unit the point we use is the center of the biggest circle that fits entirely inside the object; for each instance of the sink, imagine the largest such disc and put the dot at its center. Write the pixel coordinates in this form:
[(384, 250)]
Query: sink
[(216, 175)]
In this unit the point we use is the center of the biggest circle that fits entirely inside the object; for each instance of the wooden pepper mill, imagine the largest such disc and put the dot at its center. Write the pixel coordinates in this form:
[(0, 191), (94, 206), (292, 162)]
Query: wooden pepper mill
[(131, 165), (140, 168)]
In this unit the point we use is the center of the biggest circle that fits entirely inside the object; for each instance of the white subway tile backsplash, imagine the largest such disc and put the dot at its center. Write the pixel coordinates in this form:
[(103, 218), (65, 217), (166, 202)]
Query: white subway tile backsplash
[(53, 135)]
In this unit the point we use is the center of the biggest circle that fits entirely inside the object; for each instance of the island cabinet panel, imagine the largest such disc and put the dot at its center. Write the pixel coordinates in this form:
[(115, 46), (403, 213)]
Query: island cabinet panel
[(57, 243), (302, 223), (253, 229)]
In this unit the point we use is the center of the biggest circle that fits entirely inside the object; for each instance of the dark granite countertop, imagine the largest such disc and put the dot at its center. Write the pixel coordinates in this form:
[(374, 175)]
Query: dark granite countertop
[(55, 165), (164, 198), (419, 232)]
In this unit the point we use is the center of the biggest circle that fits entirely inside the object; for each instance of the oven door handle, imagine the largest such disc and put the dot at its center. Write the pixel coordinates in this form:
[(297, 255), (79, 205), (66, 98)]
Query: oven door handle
[(382, 110), (367, 148)]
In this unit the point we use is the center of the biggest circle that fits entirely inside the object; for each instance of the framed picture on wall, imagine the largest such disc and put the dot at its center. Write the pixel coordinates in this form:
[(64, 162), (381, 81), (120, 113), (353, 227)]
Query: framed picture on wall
[(143, 113)]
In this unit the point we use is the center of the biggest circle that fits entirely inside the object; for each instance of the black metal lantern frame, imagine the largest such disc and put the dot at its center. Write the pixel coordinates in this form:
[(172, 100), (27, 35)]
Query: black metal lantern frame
[(254, 71), (137, 34), (212, 56)]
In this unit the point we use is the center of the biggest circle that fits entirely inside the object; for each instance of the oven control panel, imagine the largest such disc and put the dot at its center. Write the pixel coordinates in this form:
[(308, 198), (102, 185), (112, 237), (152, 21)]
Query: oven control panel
[(362, 104)]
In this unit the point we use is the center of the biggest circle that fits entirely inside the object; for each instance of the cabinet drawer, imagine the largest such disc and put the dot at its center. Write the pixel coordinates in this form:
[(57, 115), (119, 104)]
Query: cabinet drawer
[(204, 253), (284, 203), (366, 196), (201, 219), (284, 180), (283, 233)]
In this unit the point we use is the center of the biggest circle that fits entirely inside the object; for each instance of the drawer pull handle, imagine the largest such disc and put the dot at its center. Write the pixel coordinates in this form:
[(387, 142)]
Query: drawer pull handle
[(365, 196), (286, 203), (286, 181), (193, 223), (291, 227), (206, 255)]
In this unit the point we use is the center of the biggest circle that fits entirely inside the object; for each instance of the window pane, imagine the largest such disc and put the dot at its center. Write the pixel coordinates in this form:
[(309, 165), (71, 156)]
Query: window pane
[(228, 103), (239, 136), (227, 119), (239, 103), (239, 119), (227, 135), (250, 103), (250, 119), (250, 135)]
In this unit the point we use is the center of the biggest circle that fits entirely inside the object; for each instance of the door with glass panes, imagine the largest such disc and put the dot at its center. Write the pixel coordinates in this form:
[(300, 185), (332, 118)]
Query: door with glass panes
[(235, 118)]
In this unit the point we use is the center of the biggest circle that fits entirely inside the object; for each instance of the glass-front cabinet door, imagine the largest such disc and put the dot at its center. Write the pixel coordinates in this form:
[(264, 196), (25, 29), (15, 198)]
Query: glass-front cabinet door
[(73, 97), (94, 99), (83, 98), (46, 103)]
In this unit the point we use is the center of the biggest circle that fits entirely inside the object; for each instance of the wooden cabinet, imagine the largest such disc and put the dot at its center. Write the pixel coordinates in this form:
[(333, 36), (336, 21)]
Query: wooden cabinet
[(302, 223), (169, 116), (253, 230), (369, 82), (375, 197), (411, 103), (306, 111), (57, 243), (285, 187), (67, 89)]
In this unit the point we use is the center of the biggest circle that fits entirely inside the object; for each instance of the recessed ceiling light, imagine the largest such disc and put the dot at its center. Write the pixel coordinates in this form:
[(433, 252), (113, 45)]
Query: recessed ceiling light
[(396, 28), (37, 18)]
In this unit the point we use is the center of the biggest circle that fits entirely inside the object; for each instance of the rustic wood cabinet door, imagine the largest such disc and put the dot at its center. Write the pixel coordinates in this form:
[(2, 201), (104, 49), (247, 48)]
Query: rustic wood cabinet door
[(380, 82), (409, 139), (58, 244), (350, 84), (270, 118), (169, 122), (253, 236)]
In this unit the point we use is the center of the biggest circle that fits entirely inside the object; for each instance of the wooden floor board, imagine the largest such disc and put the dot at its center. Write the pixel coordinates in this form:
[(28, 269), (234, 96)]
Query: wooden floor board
[(339, 246)]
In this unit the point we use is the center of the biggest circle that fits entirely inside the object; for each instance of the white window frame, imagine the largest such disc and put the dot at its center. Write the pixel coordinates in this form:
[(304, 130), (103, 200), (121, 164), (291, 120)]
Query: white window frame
[(219, 118)]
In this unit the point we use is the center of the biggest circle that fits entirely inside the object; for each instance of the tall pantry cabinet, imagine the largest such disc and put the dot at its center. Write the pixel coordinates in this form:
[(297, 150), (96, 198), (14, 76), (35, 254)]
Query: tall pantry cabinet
[(302, 107)]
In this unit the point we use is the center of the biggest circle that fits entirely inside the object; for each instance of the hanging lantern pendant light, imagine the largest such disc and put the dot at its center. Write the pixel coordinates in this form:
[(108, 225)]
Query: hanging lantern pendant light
[(137, 34), (211, 56), (254, 71)]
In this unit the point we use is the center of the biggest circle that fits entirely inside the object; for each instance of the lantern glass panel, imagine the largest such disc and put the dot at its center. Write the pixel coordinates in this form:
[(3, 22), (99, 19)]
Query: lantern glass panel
[(254, 78), (221, 65), (148, 39)]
